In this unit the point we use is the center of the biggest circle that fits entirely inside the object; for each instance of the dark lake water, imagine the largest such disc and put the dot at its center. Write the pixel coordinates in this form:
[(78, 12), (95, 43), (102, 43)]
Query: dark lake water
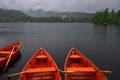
[(101, 44)]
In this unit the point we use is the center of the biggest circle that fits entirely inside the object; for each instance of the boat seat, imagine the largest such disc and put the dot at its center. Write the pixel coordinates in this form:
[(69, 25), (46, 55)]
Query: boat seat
[(75, 56), (81, 69), (88, 77), (41, 57), (1, 59), (42, 74), (41, 78), (35, 70), (5, 52)]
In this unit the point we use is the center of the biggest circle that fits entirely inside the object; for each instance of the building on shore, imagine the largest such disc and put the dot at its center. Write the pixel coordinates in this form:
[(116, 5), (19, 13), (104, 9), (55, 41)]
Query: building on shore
[(65, 17)]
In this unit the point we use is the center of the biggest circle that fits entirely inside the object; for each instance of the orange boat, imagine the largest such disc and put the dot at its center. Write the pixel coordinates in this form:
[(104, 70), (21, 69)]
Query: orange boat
[(40, 67), (7, 51), (79, 67)]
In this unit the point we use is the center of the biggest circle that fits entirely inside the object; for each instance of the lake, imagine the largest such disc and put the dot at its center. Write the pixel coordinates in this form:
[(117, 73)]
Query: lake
[(100, 43)]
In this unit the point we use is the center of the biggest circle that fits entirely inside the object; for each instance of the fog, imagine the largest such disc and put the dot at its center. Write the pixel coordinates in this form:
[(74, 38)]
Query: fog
[(61, 5)]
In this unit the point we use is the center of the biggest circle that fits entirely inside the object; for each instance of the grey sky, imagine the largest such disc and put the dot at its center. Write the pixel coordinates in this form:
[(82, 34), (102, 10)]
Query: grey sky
[(61, 5)]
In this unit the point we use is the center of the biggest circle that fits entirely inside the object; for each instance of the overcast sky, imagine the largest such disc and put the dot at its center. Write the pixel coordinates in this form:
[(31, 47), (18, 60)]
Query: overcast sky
[(61, 5)]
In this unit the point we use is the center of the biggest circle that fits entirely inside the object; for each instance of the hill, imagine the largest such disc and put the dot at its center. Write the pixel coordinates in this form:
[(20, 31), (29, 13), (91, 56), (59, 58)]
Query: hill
[(13, 16), (41, 16), (41, 13)]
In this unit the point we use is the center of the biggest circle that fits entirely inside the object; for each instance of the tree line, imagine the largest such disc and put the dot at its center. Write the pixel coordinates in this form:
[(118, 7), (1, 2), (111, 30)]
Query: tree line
[(18, 16), (107, 17), (100, 17), (58, 19)]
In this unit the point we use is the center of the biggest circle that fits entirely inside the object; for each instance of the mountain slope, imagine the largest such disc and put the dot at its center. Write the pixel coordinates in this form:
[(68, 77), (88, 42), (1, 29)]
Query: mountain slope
[(41, 13), (13, 16), (41, 16)]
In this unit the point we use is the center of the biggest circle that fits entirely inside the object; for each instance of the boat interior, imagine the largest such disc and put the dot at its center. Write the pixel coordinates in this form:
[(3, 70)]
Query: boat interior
[(79, 68), (5, 52), (43, 68)]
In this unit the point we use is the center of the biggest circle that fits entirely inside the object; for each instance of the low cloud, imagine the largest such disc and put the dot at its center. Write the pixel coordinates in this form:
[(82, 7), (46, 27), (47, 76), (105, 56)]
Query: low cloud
[(61, 5)]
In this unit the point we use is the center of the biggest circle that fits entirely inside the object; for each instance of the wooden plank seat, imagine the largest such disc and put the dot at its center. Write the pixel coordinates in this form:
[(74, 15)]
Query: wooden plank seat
[(1, 58), (75, 56), (5, 52), (41, 78), (81, 77), (41, 57), (81, 69), (35, 70), (80, 74), (41, 73)]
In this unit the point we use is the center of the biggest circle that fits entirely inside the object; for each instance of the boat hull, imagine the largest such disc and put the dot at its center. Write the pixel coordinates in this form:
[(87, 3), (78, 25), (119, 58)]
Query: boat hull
[(79, 67), (40, 67)]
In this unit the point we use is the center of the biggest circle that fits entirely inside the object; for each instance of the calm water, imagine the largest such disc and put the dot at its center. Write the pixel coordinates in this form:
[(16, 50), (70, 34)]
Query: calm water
[(101, 44)]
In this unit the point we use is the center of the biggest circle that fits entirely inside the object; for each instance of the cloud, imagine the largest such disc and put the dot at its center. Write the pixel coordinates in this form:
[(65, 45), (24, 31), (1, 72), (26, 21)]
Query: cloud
[(61, 5)]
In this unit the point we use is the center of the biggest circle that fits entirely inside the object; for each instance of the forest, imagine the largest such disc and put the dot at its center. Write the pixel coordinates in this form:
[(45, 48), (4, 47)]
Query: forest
[(13, 16), (18, 16), (107, 17), (100, 17)]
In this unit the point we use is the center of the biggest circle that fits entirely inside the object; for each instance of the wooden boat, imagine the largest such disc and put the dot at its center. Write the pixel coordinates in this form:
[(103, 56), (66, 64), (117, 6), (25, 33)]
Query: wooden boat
[(40, 67), (79, 67), (6, 51)]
